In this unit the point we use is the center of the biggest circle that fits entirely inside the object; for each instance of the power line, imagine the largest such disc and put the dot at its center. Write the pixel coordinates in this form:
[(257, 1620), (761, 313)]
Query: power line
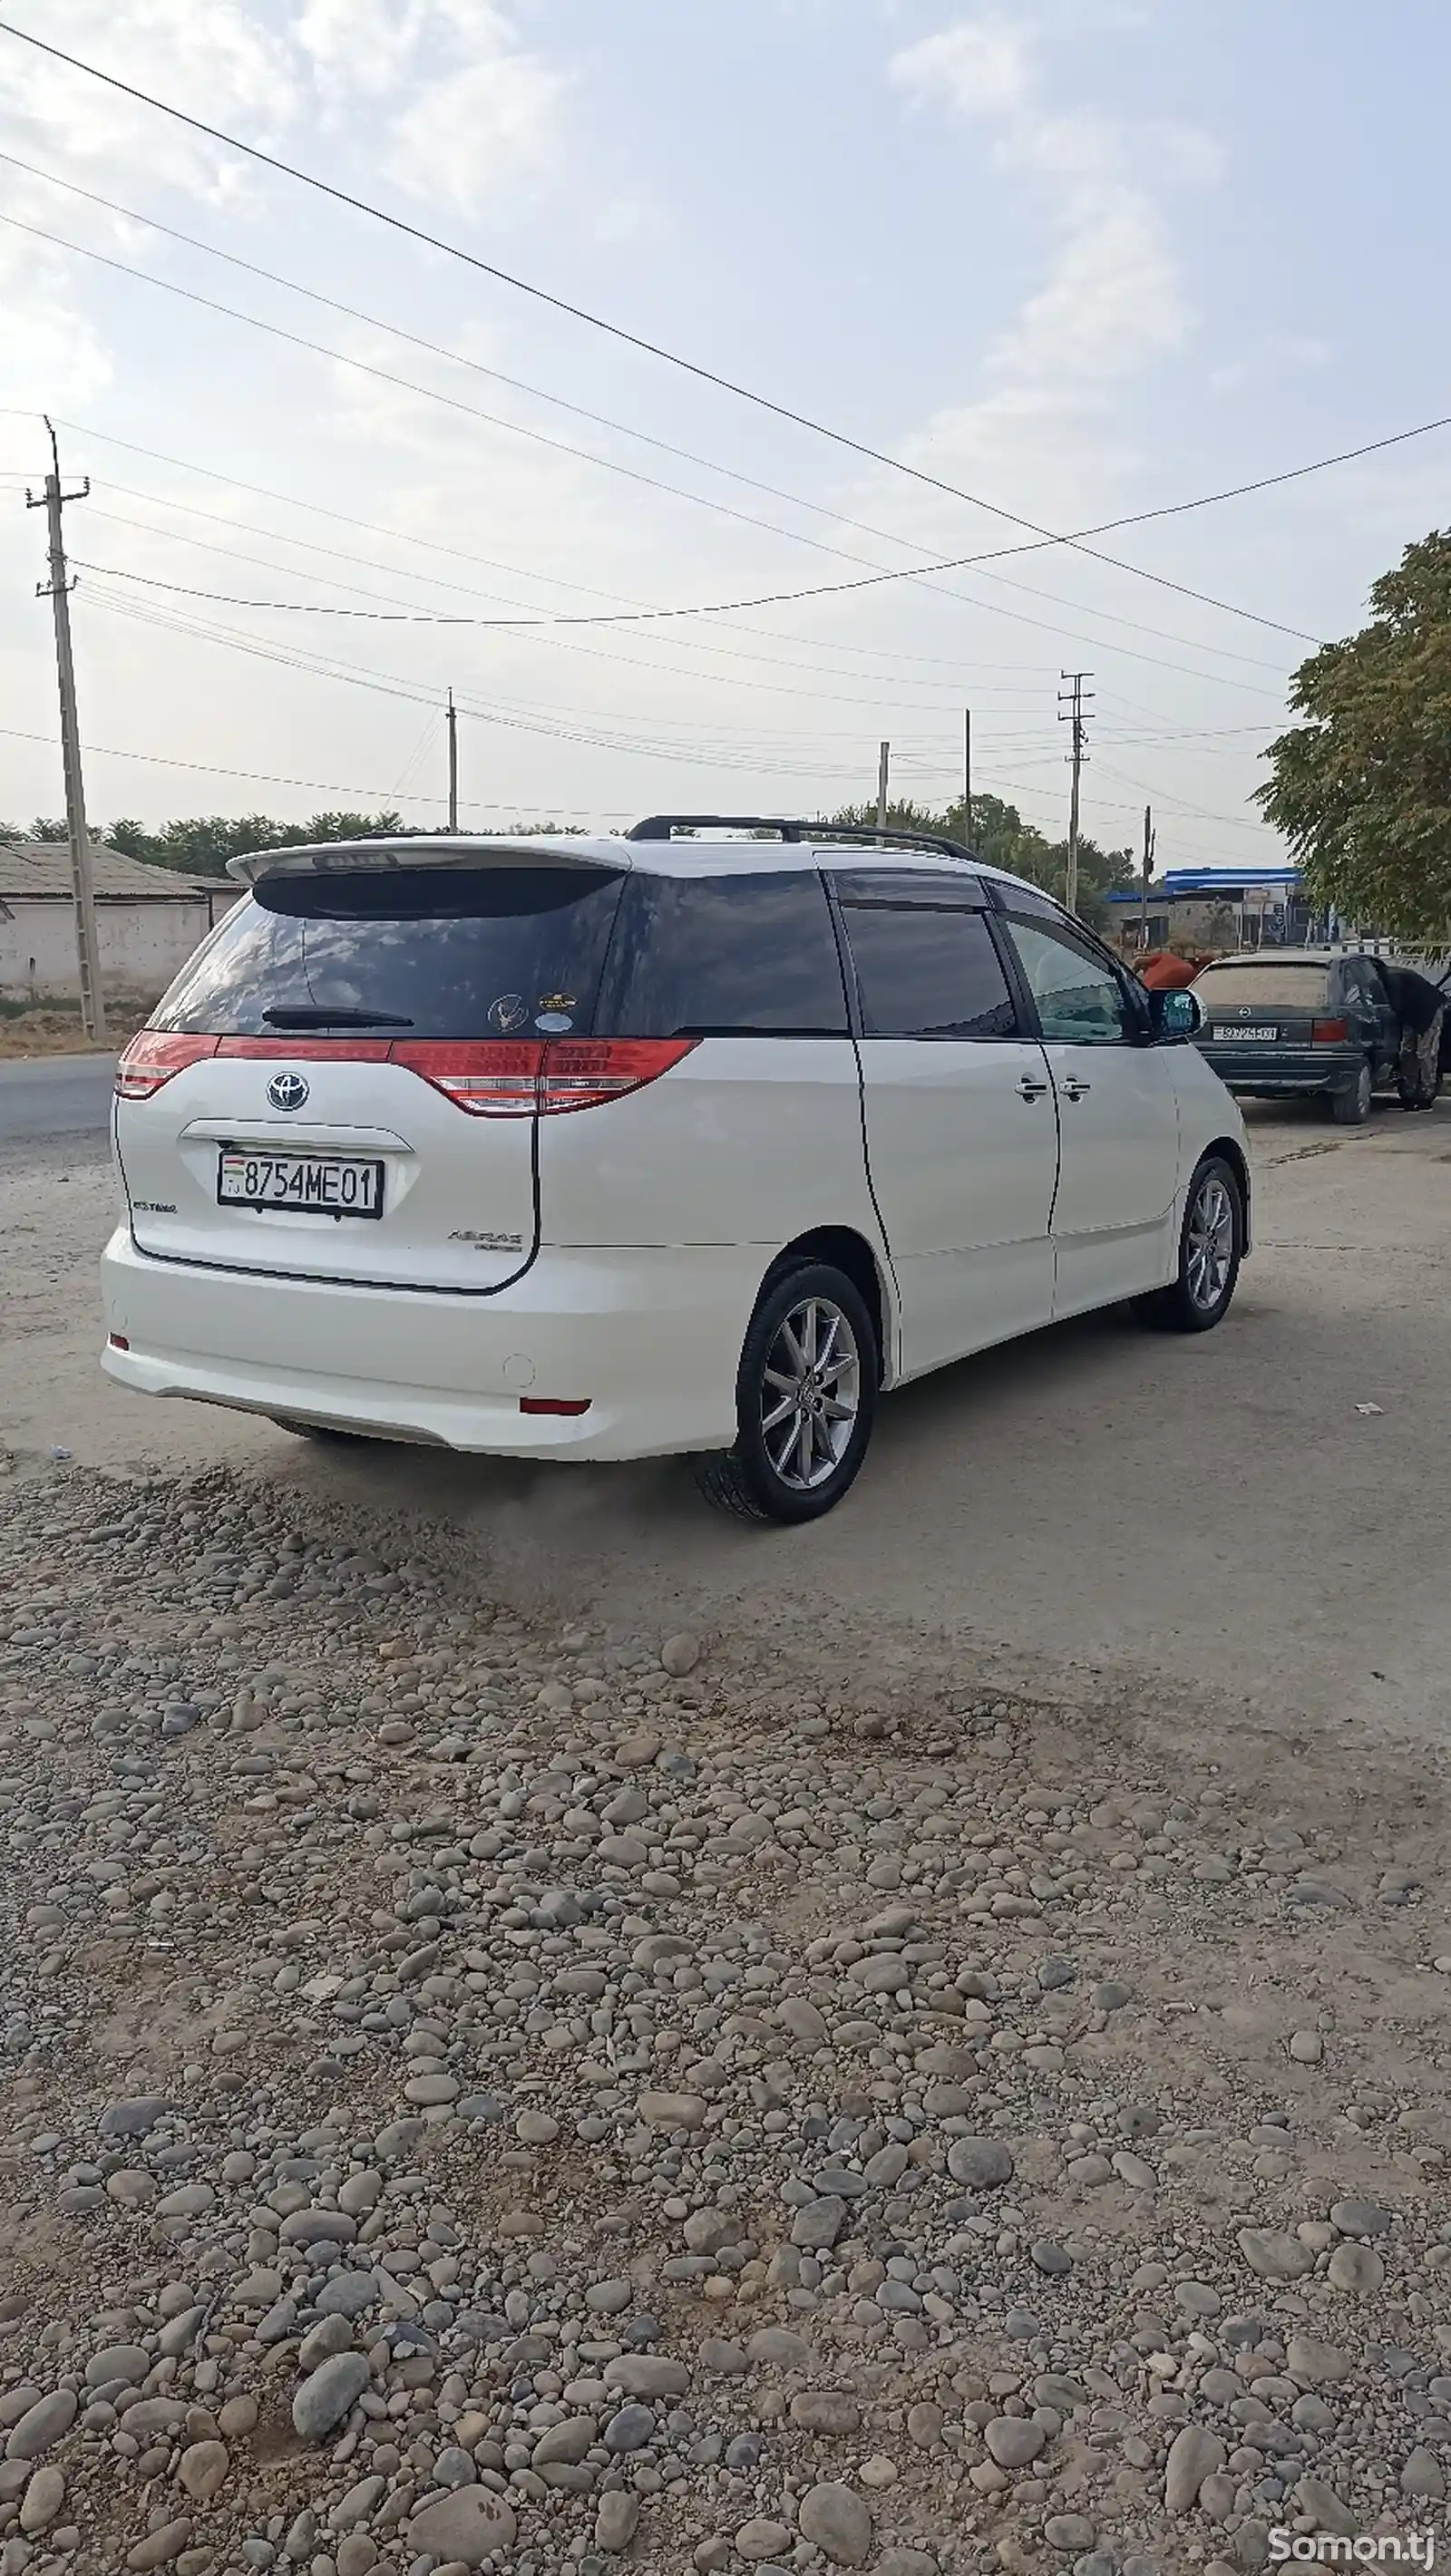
[(496, 375), (990, 608), (719, 679), (313, 786), (705, 375)]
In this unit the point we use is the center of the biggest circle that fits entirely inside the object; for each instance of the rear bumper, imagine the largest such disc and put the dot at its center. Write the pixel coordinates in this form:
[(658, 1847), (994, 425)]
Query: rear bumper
[(1255, 1074), (652, 1338)]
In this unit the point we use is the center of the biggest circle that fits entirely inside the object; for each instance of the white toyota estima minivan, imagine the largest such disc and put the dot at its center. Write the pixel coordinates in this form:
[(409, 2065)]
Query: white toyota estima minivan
[(697, 1139)]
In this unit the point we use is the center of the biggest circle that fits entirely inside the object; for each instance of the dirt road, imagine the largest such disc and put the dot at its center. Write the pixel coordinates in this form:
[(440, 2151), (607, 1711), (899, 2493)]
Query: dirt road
[(1096, 1503)]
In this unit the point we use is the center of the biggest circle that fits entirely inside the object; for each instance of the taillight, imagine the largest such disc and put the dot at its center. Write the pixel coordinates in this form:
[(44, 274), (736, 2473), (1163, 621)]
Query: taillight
[(509, 1078), (153, 1056), (489, 1077), (581, 1072), (1328, 1032)]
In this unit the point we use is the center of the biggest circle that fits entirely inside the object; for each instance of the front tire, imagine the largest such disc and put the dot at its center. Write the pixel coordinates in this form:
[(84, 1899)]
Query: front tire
[(1352, 1108), (1211, 1247), (806, 1399)]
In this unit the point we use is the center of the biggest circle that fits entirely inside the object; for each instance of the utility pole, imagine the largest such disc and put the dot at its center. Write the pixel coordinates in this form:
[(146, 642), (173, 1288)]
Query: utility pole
[(452, 764), (57, 590), (1074, 699), (967, 776), (883, 765), (1150, 836)]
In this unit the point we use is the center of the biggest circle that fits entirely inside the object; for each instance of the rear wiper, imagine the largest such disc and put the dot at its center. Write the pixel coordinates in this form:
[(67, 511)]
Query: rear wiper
[(315, 1017)]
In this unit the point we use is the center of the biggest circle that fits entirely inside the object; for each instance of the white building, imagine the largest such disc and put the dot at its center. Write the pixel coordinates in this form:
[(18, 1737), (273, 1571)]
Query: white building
[(148, 921)]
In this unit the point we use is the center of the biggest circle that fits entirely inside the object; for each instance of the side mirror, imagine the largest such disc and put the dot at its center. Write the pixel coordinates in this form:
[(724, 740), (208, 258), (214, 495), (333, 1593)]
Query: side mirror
[(1175, 1015)]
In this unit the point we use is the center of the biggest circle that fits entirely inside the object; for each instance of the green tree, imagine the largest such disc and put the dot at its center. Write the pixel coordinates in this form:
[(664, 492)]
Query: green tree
[(1361, 788), (203, 845), (49, 827)]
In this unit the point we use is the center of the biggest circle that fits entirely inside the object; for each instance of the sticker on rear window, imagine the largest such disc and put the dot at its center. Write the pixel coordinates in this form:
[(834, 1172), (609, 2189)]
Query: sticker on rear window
[(558, 1002), (510, 1011), (553, 1024)]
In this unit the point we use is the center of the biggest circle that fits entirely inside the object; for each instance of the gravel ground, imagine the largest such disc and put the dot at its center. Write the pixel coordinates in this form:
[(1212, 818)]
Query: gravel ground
[(482, 2094)]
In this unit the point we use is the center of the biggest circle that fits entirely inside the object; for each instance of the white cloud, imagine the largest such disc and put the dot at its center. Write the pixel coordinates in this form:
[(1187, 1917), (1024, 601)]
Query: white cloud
[(980, 67), (480, 129), (221, 62), (1111, 296)]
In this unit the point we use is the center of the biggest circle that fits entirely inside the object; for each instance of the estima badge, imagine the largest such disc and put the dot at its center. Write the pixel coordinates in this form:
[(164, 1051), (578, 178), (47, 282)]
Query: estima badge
[(287, 1090)]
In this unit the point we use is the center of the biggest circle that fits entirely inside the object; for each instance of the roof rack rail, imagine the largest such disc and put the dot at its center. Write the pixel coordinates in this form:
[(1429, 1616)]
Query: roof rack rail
[(660, 827)]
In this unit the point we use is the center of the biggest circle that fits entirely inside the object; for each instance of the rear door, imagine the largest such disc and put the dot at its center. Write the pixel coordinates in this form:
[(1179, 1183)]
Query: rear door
[(1368, 1007), (1118, 1113), (343, 1084), (962, 1138)]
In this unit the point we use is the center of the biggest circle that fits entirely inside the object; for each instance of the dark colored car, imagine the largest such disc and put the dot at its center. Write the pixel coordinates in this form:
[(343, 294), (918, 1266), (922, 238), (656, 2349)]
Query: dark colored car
[(1293, 1021)]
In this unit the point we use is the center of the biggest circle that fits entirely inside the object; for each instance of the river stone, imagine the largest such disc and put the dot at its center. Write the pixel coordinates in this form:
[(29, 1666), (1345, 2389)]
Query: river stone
[(44, 2495), (1014, 2440), (324, 2397), (1273, 2256), (119, 2361), (980, 2164), (467, 2527), (615, 2521), (1194, 2455), (43, 2424), (202, 2469), (1356, 2268), (836, 2520)]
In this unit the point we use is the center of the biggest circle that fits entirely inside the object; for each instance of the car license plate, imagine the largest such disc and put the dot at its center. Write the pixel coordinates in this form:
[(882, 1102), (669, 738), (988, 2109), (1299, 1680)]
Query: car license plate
[(1244, 1037), (307, 1184)]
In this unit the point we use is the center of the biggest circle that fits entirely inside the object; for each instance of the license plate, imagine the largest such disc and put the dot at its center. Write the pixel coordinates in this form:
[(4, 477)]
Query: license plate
[(305, 1184), (1244, 1037)]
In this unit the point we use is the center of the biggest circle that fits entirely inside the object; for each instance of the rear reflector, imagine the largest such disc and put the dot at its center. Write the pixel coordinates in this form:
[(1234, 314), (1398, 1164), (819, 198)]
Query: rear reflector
[(1328, 1032), (153, 1056), (118, 1341), (555, 1403)]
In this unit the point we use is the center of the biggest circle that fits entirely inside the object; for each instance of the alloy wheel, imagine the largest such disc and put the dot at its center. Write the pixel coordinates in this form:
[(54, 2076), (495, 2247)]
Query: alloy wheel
[(810, 1393), (1209, 1246)]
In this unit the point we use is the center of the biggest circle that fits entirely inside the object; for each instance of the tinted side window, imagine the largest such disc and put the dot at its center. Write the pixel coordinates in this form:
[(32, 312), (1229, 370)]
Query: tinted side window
[(737, 956), (432, 952), (927, 974), (1080, 1000)]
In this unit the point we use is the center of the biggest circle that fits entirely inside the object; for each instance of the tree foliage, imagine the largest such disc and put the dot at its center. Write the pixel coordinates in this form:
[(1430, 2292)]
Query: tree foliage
[(202, 846), (1361, 788)]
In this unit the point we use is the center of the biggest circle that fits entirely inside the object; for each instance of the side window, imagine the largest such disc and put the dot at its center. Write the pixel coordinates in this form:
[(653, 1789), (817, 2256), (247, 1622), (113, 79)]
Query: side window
[(1080, 1000), (737, 956), (923, 974)]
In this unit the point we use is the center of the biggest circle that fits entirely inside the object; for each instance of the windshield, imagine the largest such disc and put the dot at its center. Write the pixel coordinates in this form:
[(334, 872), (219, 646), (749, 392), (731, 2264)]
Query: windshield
[(437, 952), (1270, 985)]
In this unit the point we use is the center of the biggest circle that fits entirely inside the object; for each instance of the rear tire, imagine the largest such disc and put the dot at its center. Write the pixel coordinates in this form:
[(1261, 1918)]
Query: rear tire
[(1352, 1108), (806, 1399), (1211, 1247)]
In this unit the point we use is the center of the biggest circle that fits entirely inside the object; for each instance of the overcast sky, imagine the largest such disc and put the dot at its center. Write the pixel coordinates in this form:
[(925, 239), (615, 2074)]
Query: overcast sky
[(1077, 260)]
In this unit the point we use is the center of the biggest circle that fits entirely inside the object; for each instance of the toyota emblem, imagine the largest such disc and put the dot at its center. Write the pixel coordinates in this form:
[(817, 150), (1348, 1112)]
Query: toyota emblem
[(287, 1090)]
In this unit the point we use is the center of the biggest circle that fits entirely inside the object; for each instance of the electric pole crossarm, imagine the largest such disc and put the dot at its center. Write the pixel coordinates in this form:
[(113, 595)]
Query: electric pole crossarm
[(58, 590)]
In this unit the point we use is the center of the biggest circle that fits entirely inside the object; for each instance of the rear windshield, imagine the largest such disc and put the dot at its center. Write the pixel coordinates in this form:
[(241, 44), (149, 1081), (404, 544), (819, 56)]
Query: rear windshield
[(440, 952), (1293, 987)]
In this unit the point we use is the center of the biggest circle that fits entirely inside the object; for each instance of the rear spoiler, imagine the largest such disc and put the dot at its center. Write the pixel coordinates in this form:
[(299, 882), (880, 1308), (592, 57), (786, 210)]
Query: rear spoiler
[(421, 850)]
